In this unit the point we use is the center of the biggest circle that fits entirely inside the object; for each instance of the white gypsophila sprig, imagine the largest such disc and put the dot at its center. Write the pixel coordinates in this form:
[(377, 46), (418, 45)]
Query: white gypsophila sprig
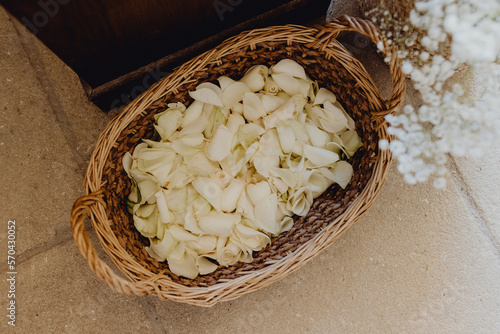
[(453, 34)]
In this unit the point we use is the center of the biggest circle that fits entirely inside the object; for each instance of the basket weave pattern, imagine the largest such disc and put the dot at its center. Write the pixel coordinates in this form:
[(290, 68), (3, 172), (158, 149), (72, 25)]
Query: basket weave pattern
[(108, 186)]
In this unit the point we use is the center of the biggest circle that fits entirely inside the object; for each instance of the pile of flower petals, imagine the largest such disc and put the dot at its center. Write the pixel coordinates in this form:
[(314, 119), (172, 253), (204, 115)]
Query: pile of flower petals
[(230, 171)]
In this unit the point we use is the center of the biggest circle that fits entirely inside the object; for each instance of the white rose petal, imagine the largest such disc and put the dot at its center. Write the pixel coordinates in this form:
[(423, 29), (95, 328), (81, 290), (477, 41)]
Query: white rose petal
[(234, 93), (166, 215), (168, 123), (290, 67), (192, 113), (250, 237), (225, 82), (163, 248), (231, 195), (291, 85), (220, 145), (270, 102), (287, 138), (319, 156), (210, 190), (181, 234), (318, 137), (205, 266), (255, 77), (185, 266), (343, 173), (253, 107), (324, 95), (265, 213), (219, 224)]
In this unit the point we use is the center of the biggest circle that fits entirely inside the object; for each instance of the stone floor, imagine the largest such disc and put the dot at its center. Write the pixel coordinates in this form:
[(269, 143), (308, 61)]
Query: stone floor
[(420, 261)]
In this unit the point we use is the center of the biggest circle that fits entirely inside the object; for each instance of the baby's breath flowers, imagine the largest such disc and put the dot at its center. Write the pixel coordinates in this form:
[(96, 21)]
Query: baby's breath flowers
[(437, 39), (229, 171)]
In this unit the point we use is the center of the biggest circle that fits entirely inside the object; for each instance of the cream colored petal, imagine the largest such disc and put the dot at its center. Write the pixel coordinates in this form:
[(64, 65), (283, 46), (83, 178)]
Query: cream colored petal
[(192, 139), (200, 165), (254, 239), (166, 216), (210, 190), (286, 138), (334, 147), (234, 93), (258, 191), (263, 161), (178, 251), (295, 165), (127, 161), (298, 148), (138, 149), (245, 206), (318, 184), (284, 112), (318, 137), (286, 224), (290, 67), (343, 173), (180, 177), (351, 141), (176, 199), (148, 189), (147, 226), (217, 118), (335, 120), (298, 129), (225, 82), (191, 224), (185, 150), (195, 127), (324, 95), (205, 266), (186, 266), (289, 177), (252, 107), (168, 123), (251, 151), (249, 133), (231, 195), (326, 172), (220, 145), (288, 83), (351, 125), (163, 247), (181, 234), (238, 108), (207, 95), (192, 113), (234, 122), (278, 185), (204, 244), (218, 224), (270, 102), (320, 157), (255, 77), (265, 213), (145, 210)]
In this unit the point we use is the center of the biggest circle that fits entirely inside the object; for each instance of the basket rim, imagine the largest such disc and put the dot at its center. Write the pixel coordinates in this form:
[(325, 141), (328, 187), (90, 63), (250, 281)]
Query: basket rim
[(225, 290)]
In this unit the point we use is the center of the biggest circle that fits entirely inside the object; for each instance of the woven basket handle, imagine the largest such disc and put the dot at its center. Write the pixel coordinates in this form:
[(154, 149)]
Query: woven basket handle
[(80, 209), (368, 29)]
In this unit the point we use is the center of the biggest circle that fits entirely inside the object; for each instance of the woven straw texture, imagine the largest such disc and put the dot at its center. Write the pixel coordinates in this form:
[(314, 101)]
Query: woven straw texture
[(107, 185)]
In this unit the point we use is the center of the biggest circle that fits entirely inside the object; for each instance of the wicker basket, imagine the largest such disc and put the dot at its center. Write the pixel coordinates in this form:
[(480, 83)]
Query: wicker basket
[(107, 185)]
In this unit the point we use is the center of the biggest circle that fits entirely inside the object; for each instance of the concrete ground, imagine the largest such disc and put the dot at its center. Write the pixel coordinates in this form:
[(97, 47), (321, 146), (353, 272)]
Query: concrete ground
[(420, 261)]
